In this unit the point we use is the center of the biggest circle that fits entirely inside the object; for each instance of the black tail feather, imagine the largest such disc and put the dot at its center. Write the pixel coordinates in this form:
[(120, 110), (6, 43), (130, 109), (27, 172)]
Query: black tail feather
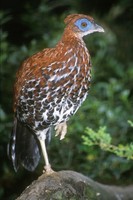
[(48, 136), (23, 148)]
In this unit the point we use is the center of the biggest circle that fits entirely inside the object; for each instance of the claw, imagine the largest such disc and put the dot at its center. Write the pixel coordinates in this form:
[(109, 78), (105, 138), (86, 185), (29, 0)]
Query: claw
[(61, 129), (48, 170)]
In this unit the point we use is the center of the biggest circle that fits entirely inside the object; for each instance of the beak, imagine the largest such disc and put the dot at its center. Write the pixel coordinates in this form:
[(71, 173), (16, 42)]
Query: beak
[(98, 28)]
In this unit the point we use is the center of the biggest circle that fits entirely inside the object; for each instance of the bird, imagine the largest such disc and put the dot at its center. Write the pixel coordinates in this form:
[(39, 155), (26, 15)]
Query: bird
[(50, 87)]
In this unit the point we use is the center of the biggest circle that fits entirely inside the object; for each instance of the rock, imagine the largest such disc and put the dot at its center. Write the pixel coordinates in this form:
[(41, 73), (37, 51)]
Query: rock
[(70, 185)]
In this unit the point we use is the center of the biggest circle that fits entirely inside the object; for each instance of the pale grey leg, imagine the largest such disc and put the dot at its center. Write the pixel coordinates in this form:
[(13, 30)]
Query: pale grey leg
[(47, 167), (61, 129)]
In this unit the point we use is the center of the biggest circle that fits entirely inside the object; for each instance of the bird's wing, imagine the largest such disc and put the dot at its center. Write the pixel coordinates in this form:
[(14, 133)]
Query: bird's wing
[(46, 70)]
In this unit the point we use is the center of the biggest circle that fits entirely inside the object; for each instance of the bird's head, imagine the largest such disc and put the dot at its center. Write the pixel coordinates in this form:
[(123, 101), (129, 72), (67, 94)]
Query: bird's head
[(81, 25)]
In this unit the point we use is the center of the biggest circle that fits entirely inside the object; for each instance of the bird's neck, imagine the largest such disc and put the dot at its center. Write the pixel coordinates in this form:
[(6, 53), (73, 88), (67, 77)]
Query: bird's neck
[(71, 46), (71, 38)]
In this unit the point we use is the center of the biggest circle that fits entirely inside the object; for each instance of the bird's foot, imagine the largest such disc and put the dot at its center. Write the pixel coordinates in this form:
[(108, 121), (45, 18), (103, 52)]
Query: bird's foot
[(61, 129), (48, 169)]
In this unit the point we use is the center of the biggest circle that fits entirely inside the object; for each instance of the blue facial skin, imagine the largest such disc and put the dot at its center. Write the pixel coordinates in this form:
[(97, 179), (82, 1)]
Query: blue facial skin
[(89, 25)]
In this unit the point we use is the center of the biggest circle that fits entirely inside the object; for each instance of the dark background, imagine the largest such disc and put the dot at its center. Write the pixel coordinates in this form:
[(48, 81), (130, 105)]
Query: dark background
[(29, 26)]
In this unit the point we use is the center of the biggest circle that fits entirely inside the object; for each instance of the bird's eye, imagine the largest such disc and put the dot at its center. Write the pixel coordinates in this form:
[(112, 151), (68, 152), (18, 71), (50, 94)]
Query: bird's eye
[(84, 24)]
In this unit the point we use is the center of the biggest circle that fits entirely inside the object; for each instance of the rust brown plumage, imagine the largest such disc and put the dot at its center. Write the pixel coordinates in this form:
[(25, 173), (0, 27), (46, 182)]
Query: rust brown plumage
[(50, 87)]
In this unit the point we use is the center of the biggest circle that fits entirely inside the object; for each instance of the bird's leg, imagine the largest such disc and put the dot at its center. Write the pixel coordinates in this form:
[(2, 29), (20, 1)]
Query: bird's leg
[(47, 167), (61, 129)]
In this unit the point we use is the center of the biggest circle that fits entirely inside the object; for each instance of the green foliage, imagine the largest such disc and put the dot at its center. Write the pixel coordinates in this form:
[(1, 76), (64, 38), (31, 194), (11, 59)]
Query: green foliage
[(103, 140), (131, 123)]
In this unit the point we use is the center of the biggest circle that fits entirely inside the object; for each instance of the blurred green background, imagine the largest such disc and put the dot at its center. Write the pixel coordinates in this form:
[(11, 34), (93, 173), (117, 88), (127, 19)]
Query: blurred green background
[(29, 26)]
